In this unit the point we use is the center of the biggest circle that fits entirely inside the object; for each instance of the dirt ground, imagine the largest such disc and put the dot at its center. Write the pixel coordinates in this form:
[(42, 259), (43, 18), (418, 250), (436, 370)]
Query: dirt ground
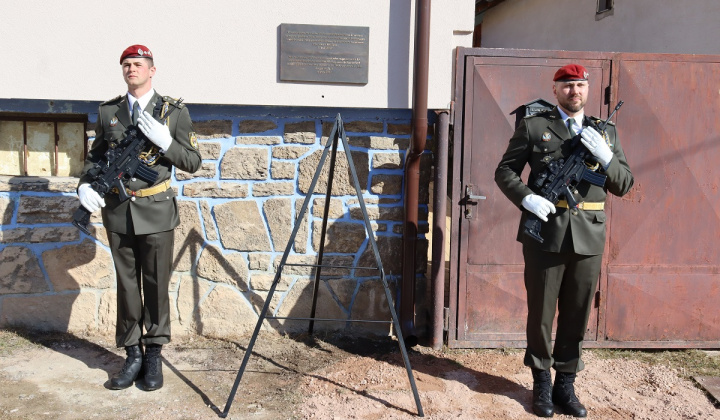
[(64, 377)]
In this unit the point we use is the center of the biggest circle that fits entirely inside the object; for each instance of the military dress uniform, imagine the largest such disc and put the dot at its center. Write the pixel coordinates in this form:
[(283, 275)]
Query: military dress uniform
[(140, 229), (564, 269)]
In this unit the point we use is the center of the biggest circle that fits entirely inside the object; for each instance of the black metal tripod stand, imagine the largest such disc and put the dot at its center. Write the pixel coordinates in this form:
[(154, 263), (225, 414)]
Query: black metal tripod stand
[(337, 134)]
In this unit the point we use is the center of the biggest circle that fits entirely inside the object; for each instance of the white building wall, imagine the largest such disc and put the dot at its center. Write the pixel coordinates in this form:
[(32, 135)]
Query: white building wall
[(219, 52), (647, 26)]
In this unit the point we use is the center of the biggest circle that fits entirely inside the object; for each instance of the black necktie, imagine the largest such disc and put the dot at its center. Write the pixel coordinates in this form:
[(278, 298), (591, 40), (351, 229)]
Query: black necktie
[(136, 112)]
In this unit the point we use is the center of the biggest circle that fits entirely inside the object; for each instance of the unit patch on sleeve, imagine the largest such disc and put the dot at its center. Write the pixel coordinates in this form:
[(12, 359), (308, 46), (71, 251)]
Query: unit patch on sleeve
[(193, 140)]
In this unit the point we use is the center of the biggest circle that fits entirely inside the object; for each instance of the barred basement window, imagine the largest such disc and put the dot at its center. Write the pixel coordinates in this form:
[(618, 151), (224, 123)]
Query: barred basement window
[(604, 6), (42, 144)]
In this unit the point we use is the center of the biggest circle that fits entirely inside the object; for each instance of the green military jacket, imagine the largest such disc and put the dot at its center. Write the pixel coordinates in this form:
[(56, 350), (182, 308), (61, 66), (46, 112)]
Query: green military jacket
[(538, 140), (158, 212)]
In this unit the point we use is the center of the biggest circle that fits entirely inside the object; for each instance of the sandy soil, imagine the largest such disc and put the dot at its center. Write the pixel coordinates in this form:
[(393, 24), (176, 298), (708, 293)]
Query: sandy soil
[(64, 377)]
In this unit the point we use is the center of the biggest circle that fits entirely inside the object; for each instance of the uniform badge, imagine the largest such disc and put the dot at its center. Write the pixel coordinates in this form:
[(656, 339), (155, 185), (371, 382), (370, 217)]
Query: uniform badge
[(546, 136), (193, 140), (113, 122)]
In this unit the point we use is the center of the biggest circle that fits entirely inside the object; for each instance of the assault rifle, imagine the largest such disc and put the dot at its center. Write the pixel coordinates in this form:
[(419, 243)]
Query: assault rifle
[(120, 164), (561, 176)]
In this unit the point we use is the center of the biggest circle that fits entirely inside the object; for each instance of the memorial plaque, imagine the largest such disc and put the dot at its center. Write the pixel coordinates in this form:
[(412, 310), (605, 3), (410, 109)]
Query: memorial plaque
[(324, 53)]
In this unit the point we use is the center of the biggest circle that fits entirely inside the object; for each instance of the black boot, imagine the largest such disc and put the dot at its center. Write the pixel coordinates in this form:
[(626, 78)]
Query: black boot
[(130, 370), (152, 364), (563, 394), (542, 405)]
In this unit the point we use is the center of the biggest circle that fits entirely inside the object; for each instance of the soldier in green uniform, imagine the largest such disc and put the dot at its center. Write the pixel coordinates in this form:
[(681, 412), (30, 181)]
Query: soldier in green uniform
[(140, 230), (562, 271)]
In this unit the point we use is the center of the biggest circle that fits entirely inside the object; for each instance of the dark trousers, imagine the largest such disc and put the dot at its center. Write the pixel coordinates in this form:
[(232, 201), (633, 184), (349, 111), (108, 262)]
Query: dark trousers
[(567, 281), (143, 265)]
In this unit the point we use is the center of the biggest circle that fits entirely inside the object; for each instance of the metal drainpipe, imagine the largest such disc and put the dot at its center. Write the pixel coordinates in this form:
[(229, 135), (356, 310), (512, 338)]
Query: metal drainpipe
[(438, 228), (412, 168)]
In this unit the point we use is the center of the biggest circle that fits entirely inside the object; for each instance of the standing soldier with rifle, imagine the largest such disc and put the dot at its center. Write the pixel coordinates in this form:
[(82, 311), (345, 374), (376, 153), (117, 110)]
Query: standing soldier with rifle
[(140, 221), (562, 266)]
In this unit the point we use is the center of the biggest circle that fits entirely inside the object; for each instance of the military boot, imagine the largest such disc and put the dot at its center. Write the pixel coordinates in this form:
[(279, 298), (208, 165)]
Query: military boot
[(130, 370), (152, 365), (542, 404), (563, 394)]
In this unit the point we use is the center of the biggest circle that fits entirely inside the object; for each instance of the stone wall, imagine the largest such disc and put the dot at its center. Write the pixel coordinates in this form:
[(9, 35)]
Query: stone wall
[(237, 215)]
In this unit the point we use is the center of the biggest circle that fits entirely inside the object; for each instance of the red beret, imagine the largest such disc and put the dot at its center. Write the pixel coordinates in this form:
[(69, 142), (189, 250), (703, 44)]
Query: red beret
[(571, 72), (136, 50)]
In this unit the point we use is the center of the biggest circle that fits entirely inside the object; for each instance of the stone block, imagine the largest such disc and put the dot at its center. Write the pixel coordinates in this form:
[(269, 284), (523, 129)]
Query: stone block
[(399, 129), (341, 237), (39, 210), (390, 249), (241, 226), (107, 313), (300, 132), (40, 235), (7, 208), (214, 189), (225, 314), (210, 150), (301, 238), (20, 272), (289, 152), (387, 160), (263, 281), (396, 214), (297, 303), (336, 210), (212, 129), (73, 267), (190, 293), (363, 127), (208, 221), (73, 313), (256, 126), (207, 170), (283, 170), (259, 261), (258, 140), (278, 213), (272, 189), (379, 143), (342, 181), (386, 184), (228, 268), (189, 237), (245, 163), (371, 303)]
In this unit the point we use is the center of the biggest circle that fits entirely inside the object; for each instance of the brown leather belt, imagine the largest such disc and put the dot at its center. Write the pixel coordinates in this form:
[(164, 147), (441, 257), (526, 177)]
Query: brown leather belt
[(584, 205), (146, 192)]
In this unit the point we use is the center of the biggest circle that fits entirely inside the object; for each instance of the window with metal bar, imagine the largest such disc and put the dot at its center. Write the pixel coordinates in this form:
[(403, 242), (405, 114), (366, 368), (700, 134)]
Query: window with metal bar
[(42, 144)]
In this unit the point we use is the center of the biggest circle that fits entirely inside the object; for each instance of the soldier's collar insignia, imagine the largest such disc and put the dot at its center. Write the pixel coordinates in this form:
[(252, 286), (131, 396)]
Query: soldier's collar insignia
[(546, 136), (113, 122)]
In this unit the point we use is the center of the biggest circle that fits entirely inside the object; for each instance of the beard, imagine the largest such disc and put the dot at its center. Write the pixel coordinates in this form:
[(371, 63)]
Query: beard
[(572, 106)]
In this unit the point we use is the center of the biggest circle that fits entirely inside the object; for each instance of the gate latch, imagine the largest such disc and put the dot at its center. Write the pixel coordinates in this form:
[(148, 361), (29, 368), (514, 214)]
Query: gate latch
[(470, 200)]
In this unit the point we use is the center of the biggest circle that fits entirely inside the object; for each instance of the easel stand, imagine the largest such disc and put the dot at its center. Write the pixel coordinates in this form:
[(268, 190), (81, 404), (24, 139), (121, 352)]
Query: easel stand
[(337, 134)]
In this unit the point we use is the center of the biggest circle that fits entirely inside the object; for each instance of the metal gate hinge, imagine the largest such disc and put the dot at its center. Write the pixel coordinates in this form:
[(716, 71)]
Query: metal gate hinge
[(446, 319)]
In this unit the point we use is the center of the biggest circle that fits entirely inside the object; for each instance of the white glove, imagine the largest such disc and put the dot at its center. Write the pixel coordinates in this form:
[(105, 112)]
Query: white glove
[(596, 144), (90, 199), (540, 206), (156, 132)]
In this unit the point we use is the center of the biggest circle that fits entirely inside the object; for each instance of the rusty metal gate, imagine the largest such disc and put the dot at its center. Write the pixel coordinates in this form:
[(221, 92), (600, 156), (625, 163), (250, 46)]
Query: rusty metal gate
[(660, 281)]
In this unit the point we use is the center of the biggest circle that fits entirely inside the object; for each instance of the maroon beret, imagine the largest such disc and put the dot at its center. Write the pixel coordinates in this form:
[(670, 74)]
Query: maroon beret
[(571, 72), (136, 50)]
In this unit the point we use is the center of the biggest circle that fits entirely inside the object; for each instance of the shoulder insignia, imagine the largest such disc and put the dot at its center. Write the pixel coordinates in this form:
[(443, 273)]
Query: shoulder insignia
[(113, 100), (173, 102), (193, 140)]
